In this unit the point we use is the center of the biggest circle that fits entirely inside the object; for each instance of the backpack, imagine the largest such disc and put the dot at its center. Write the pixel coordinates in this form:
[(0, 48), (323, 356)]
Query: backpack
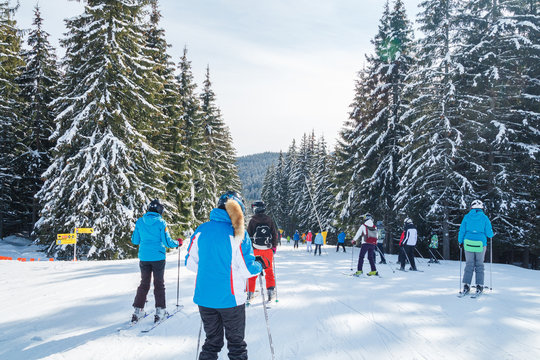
[(262, 236), (371, 235)]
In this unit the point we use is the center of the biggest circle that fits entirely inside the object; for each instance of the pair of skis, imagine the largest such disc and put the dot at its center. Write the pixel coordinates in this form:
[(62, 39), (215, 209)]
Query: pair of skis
[(473, 295), (154, 325), (357, 276)]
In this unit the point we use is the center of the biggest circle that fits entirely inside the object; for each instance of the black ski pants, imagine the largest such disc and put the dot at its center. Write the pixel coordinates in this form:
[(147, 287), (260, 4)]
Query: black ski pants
[(370, 250), (157, 268), (317, 246), (409, 255), (232, 321), (342, 245), (295, 244), (381, 252)]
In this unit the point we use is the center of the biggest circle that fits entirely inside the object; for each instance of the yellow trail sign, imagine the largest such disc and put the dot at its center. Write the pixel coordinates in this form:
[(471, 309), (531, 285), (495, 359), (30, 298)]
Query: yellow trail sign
[(324, 233), (66, 239), (84, 230)]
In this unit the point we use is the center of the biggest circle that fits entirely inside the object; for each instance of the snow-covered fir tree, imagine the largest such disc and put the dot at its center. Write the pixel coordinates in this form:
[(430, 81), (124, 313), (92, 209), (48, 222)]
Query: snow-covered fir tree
[(433, 183), (323, 190), (168, 136), (193, 141), (220, 173), (501, 44), (38, 84), (10, 65), (104, 171)]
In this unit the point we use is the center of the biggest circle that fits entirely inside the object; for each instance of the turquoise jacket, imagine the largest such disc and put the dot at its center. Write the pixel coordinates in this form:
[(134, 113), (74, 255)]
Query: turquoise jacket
[(152, 236), (319, 240), (222, 263), (475, 226), (341, 237)]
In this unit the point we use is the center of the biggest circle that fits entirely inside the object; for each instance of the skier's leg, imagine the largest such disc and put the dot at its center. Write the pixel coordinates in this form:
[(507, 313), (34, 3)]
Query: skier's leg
[(144, 287), (479, 266), (269, 271), (158, 270), (469, 267), (371, 257), (213, 327), (410, 252), (363, 251), (383, 259), (401, 256), (234, 321)]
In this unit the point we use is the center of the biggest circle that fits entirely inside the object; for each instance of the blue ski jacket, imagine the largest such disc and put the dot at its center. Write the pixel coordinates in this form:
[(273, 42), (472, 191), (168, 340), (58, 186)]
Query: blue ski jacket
[(475, 226), (341, 237), (152, 236), (319, 240), (222, 263), (296, 236)]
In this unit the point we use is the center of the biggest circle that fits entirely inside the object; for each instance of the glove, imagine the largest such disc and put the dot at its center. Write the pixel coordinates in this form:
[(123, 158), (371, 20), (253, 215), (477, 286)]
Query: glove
[(353, 242), (461, 245), (274, 250), (261, 261), (180, 242)]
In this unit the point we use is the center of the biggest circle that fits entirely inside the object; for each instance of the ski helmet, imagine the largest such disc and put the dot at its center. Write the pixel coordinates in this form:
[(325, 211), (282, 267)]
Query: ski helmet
[(258, 207), (368, 217), (407, 220), (231, 195), (155, 206), (477, 204)]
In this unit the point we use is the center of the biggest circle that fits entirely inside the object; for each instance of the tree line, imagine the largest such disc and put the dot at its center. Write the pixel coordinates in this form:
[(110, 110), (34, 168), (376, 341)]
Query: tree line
[(89, 140), (435, 122)]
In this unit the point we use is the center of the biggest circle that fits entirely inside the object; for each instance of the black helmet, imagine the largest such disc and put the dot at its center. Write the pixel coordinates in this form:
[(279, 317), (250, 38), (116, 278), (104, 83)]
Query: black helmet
[(155, 206), (231, 195), (258, 207)]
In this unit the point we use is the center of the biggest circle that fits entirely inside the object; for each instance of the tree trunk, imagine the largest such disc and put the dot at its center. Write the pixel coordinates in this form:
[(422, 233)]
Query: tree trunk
[(526, 254)]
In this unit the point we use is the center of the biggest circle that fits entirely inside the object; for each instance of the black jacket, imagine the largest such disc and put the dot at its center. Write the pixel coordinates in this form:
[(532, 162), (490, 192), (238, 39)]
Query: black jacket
[(263, 219)]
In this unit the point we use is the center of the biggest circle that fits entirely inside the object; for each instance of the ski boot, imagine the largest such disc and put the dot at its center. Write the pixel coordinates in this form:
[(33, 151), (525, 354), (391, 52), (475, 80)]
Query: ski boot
[(466, 289), (479, 289), (358, 273), (271, 293), (137, 314), (371, 273), (161, 313)]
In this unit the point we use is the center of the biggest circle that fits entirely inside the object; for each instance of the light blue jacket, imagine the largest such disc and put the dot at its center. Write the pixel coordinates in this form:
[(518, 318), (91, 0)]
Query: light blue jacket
[(341, 237), (475, 226), (152, 236), (319, 240), (222, 263)]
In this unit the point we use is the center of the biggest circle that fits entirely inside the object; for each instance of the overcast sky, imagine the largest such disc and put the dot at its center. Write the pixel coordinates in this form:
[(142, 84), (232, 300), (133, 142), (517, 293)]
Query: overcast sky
[(279, 68)]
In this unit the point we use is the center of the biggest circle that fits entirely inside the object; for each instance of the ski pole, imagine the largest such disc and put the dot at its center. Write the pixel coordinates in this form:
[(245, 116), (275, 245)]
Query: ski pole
[(275, 278), (432, 254), (352, 255), (438, 253), (490, 263), (459, 280), (380, 252), (198, 342), (266, 318), (418, 251), (178, 281)]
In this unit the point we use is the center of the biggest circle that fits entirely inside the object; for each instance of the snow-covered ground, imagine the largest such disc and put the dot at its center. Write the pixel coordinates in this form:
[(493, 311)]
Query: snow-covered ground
[(71, 310)]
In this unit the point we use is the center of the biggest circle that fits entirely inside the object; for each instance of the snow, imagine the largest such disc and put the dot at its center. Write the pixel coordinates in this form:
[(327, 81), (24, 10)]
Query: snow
[(71, 310)]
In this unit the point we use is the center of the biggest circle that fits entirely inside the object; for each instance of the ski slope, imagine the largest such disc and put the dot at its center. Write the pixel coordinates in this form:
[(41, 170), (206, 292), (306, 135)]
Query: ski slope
[(71, 310)]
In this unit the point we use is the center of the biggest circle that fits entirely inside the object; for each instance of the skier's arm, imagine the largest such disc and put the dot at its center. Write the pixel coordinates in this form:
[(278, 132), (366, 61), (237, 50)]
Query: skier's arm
[(244, 260), (166, 238), (488, 229), (275, 233), (192, 257), (358, 233), (136, 237), (462, 230)]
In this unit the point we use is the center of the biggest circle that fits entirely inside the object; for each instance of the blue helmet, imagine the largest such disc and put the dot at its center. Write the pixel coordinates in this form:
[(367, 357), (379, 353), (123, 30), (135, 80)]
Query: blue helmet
[(231, 195)]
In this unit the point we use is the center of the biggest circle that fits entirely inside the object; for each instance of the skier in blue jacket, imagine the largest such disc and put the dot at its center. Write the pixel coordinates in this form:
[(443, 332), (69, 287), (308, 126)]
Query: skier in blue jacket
[(473, 233), (221, 254), (152, 236), (341, 241)]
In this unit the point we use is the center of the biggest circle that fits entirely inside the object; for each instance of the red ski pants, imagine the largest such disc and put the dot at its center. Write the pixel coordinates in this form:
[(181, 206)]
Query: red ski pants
[(268, 272)]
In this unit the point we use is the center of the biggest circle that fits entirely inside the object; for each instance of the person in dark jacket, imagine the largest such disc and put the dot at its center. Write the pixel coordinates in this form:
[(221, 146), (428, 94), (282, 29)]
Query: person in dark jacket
[(263, 233), (221, 255), (152, 236), (473, 233), (408, 244)]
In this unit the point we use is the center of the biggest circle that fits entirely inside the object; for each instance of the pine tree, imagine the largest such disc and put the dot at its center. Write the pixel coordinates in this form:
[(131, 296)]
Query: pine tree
[(220, 171), (10, 64), (433, 182), (193, 141), (104, 170), (38, 83), (167, 137)]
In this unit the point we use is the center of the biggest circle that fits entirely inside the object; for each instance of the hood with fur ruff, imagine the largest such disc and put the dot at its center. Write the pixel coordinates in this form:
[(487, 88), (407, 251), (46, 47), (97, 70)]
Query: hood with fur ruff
[(237, 219)]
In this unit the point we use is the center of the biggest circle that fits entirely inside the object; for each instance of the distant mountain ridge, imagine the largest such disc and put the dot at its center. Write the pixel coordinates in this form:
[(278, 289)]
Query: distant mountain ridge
[(252, 169)]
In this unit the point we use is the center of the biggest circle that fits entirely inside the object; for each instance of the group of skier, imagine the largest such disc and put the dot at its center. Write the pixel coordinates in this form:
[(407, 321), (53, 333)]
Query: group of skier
[(225, 256)]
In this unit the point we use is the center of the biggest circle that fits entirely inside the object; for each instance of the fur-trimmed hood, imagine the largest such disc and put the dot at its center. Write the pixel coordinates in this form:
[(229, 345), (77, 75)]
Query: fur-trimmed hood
[(237, 219)]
